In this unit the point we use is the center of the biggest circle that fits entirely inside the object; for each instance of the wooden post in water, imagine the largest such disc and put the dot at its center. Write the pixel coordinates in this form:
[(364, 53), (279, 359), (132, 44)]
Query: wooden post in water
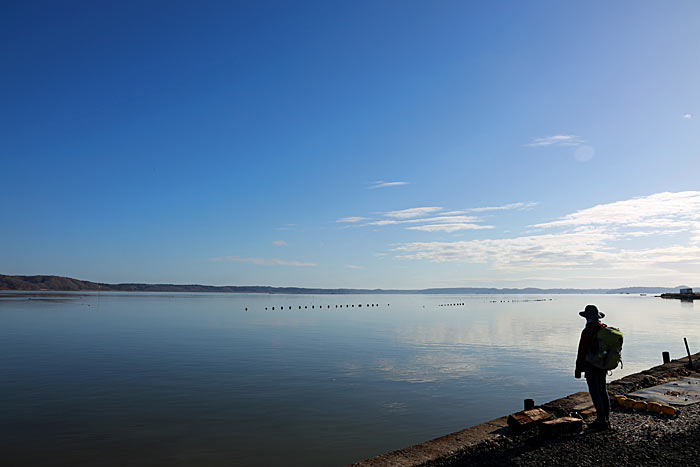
[(666, 356), (690, 359), (529, 404)]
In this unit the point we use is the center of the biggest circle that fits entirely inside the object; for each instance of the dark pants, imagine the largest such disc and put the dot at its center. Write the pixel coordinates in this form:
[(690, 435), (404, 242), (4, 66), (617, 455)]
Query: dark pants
[(599, 393)]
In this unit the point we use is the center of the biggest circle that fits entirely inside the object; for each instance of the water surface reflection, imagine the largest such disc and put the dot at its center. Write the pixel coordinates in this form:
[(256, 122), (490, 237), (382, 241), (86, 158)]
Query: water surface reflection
[(195, 379)]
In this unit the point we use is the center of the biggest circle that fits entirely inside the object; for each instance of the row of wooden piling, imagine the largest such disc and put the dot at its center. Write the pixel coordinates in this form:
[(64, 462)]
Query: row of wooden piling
[(319, 307), (522, 300)]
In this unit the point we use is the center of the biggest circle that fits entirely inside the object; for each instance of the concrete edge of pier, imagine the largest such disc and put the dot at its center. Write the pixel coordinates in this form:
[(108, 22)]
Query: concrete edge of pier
[(439, 450)]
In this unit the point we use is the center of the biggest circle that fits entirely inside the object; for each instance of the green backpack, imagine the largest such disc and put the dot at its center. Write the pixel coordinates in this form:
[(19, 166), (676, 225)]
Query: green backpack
[(609, 353)]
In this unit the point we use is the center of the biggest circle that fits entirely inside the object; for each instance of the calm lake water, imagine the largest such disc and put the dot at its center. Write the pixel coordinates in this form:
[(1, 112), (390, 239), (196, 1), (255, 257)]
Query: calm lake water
[(195, 379)]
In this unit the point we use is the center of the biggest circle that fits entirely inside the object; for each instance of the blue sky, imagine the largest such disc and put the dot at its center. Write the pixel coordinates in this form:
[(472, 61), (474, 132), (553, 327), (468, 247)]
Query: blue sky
[(353, 144)]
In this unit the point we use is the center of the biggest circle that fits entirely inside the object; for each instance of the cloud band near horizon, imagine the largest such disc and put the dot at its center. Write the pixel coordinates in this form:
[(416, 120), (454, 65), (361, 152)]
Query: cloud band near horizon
[(601, 238)]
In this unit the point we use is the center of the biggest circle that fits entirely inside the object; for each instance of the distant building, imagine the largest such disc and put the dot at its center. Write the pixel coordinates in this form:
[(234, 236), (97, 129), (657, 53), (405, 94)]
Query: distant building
[(686, 291)]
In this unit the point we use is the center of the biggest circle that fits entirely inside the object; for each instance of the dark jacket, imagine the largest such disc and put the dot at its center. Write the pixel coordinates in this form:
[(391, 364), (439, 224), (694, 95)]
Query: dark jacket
[(588, 344)]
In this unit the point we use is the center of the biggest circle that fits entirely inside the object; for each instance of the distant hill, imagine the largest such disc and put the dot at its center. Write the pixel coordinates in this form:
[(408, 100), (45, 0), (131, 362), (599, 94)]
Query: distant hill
[(58, 283), (45, 283), (653, 290)]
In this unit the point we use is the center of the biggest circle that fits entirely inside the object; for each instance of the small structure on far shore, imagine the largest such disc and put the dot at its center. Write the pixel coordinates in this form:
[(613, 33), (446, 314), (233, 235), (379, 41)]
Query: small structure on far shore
[(685, 294)]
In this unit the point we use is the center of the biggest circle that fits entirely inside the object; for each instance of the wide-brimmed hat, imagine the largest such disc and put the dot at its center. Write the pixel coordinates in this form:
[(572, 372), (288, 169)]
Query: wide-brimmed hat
[(591, 311)]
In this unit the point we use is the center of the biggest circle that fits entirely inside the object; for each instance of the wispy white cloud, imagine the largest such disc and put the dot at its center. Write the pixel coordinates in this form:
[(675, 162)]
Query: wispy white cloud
[(452, 213), (412, 212), (264, 261), (382, 222), (383, 184), (688, 116), (658, 211), (556, 140), (279, 243), (351, 219), (287, 227), (504, 207), (449, 227), (603, 238), (436, 219), (443, 219), (548, 250), (353, 266)]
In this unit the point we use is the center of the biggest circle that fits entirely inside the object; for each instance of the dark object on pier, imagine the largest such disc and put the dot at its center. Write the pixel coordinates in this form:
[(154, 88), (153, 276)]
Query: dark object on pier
[(529, 404), (560, 427), (690, 359), (666, 356), (521, 421)]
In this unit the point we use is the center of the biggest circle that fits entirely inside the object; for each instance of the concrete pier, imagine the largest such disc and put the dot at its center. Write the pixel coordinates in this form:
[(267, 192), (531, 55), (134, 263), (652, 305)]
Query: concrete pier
[(440, 450)]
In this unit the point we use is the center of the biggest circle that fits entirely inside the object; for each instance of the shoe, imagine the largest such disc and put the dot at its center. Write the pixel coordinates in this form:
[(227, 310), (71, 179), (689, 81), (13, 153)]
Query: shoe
[(599, 426)]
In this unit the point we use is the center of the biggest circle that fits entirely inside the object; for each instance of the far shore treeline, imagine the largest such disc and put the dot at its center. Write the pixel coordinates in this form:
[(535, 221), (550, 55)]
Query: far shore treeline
[(58, 283)]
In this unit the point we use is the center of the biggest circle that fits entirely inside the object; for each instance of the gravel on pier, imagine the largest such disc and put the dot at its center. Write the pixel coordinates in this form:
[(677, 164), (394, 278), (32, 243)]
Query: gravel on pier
[(636, 439)]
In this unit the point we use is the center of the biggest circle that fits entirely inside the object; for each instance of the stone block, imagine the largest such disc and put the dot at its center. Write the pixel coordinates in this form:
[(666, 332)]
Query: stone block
[(560, 427), (521, 421)]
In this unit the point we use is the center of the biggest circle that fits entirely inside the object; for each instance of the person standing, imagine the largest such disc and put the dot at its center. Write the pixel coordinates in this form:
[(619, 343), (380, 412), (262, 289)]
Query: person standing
[(595, 377)]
